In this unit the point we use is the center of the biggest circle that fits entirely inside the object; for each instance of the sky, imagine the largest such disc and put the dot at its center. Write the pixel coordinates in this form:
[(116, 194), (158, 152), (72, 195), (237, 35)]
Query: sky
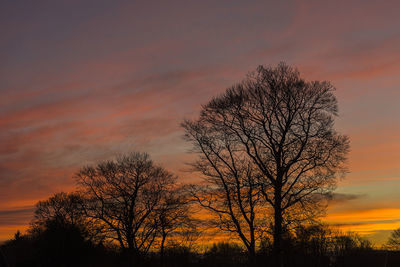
[(85, 81)]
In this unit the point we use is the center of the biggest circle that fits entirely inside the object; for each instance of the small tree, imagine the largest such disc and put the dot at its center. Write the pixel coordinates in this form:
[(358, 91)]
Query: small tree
[(394, 240), (124, 196), (346, 243), (229, 190), (173, 216), (64, 208), (64, 211), (59, 231)]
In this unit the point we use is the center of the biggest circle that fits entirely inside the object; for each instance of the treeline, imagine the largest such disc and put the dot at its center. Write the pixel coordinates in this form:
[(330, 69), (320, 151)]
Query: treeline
[(269, 158), (60, 242)]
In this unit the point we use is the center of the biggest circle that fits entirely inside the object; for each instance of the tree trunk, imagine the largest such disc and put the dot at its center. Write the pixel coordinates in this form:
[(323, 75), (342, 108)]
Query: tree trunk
[(129, 241), (278, 231), (162, 249), (252, 255)]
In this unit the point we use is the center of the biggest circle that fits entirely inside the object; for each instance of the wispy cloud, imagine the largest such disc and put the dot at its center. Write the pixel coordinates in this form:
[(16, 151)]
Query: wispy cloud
[(18, 216)]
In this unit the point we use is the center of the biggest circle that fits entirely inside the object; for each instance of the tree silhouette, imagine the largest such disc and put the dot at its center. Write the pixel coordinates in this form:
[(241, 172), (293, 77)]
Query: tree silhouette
[(230, 191), (124, 196), (173, 216), (394, 240), (284, 127), (64, 208)]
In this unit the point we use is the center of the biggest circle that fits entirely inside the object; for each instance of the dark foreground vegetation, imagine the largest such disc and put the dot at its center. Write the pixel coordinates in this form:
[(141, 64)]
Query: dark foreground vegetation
[(66, 246), (268, 156)]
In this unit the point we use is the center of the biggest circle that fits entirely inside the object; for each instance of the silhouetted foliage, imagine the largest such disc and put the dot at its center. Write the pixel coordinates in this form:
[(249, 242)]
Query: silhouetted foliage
[(64, 210), (225, 254), (177, 255), (56, 244), (308, 246)]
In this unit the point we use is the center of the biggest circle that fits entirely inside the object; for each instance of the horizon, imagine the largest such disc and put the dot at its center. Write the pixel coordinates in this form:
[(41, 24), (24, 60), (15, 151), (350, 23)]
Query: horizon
[(85, 82)]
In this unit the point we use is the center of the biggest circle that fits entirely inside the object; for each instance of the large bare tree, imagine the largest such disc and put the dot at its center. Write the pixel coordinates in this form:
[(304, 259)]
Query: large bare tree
[(124, 196), (284, 126)]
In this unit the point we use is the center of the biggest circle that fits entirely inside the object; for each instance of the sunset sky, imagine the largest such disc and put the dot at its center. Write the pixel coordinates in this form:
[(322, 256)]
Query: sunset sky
[(84, 81)]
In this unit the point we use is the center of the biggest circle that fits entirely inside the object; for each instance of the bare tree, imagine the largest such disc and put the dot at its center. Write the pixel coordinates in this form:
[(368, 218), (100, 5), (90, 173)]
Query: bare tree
[(230, 189), (63, 208), (61, 221), (124, 195), (173, 216), (394, 240), (284, 126)]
